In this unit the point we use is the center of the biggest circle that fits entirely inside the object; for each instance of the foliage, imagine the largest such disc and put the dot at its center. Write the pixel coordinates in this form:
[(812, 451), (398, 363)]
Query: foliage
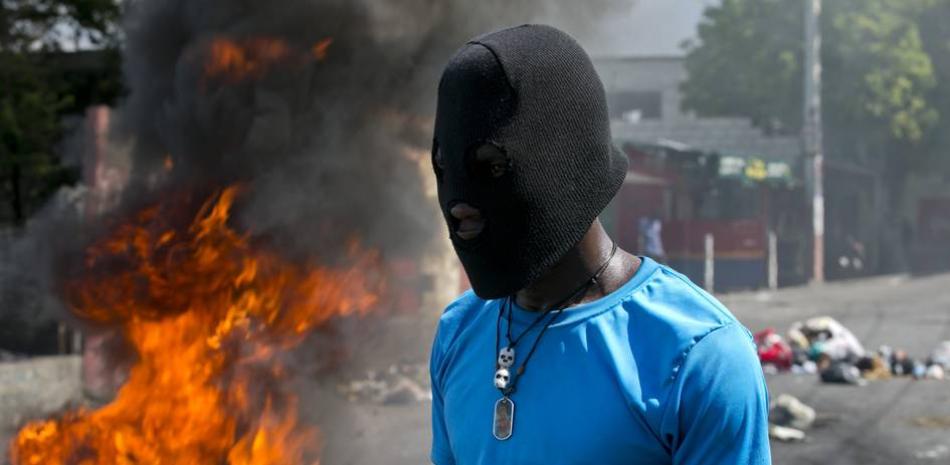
[(935, 35), (36, 36), (877, 73), (747, 50), (29, 125), (56, 25)]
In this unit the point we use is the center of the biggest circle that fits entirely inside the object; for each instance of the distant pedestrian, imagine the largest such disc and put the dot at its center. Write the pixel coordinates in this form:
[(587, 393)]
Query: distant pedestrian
[(651, 237)]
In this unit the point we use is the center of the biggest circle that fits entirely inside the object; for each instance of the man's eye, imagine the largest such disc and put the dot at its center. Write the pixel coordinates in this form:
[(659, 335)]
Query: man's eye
[(492, 159), (438, 164), (498, 169)]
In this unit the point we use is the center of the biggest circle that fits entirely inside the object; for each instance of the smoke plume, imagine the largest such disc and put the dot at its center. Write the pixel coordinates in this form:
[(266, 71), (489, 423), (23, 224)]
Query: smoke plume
[(325, 149), (319, 110), (322, 144)]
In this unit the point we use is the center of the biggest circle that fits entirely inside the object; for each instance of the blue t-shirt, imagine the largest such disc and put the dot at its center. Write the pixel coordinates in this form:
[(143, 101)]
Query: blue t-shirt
[(657, 372)]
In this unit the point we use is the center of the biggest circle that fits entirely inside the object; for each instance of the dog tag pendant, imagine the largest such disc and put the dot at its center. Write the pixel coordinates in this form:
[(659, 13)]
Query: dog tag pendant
[(504, 420)]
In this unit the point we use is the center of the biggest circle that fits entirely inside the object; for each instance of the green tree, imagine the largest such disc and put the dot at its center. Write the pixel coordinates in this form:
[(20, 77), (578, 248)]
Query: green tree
[(885, 95), (35, 92), (747, 62), (935, 35)]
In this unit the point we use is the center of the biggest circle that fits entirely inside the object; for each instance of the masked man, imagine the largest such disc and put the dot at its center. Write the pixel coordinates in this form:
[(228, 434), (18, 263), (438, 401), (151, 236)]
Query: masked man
[(569, 351)]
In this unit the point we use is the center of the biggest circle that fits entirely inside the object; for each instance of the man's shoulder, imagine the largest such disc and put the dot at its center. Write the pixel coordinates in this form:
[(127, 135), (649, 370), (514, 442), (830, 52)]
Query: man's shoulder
[(671, 297), (462, 307), (458, 315), (668, 315)]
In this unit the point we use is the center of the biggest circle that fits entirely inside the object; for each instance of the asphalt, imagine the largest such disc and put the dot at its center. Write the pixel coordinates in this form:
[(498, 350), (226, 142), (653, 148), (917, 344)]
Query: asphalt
[(894, 422), (898, 421)]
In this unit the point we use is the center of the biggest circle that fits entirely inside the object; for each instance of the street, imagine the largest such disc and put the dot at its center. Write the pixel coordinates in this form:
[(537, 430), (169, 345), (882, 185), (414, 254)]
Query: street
[(898, 421), (886, 422)]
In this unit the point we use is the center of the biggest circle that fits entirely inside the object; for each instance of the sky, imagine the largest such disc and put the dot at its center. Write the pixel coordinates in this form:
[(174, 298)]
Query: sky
[(647, 28), (651, 27)]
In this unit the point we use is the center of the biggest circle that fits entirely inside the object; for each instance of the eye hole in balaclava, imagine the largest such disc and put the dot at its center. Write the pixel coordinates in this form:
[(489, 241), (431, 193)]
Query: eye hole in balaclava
[(438, 163), (488, 161)]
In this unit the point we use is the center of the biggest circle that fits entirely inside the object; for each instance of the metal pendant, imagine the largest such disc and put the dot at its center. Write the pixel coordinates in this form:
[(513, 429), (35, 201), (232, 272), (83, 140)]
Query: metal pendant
[(504, 420)]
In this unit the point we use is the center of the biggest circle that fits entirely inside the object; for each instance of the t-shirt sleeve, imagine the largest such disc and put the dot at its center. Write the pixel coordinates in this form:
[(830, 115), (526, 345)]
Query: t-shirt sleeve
[(441, 453), (718, 409)]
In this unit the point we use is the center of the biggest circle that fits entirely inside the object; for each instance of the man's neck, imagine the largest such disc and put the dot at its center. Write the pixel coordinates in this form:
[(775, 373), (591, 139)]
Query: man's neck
[(577, 267)]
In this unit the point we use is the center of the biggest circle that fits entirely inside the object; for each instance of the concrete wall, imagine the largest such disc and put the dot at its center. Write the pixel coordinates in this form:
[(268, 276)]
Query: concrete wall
[(646, 74), (36, 388)]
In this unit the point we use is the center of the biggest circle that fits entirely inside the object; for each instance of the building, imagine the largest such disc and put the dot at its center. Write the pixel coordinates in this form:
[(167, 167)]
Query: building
[(718, 177)]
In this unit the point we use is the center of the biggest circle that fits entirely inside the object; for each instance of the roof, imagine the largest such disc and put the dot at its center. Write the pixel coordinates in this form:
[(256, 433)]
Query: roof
[(636, 58), (724, 136)]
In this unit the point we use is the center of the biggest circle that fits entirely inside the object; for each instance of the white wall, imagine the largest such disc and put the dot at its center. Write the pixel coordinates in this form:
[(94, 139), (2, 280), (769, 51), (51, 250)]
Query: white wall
[(656, 74), (653, 27)]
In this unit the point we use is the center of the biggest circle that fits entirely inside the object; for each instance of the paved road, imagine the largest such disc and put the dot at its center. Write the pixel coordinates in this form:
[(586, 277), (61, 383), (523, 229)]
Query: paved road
[(887, 422), (867, 425)]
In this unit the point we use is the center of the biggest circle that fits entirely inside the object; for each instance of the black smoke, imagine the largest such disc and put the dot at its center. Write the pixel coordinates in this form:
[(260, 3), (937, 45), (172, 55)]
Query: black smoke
[(319, 145)]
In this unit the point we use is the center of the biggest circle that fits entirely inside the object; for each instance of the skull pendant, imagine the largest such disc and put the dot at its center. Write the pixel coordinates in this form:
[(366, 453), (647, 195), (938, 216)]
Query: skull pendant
[(501, 378), (506, 357)]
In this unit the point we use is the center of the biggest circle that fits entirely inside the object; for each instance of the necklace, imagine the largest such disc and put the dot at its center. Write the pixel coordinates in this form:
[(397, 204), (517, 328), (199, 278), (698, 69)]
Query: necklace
[(504, 409)]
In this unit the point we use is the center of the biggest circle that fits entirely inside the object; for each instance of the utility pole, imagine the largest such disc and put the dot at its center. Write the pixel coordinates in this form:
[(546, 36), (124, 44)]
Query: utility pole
[(812, 136)]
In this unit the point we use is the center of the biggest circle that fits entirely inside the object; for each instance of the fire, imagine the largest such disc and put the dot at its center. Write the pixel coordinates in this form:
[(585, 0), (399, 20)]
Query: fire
[(319, 50), (233, 61), (209, 316)]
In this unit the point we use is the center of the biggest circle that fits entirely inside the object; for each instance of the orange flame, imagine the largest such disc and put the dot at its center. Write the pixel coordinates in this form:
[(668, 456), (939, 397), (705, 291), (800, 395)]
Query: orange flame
[(233, 61), (319, 50), (208, 316)]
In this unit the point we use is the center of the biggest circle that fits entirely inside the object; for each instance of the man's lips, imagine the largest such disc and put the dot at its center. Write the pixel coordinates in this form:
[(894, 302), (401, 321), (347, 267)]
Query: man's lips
[(467, 220), (469, 229)]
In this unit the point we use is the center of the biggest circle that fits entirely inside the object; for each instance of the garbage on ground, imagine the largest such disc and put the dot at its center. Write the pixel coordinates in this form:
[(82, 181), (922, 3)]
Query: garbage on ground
[(788, 411), (838, 371), (875, 367), (934, 372), (902, 364), (941, 355), (824, 334), (789, 418), (785, 434), (824, 346), (805, 367), (773, 350), (935, 453)]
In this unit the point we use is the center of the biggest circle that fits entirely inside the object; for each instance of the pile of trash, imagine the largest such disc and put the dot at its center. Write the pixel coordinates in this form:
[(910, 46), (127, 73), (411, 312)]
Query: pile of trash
[(824, 346), (789, 418)]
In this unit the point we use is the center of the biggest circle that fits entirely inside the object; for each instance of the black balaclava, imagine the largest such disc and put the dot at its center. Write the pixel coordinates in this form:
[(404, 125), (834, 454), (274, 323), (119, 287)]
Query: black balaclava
[(531, 93)]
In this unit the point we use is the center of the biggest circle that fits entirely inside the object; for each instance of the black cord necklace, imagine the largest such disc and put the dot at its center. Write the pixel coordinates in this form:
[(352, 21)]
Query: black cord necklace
[(504, 412)]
